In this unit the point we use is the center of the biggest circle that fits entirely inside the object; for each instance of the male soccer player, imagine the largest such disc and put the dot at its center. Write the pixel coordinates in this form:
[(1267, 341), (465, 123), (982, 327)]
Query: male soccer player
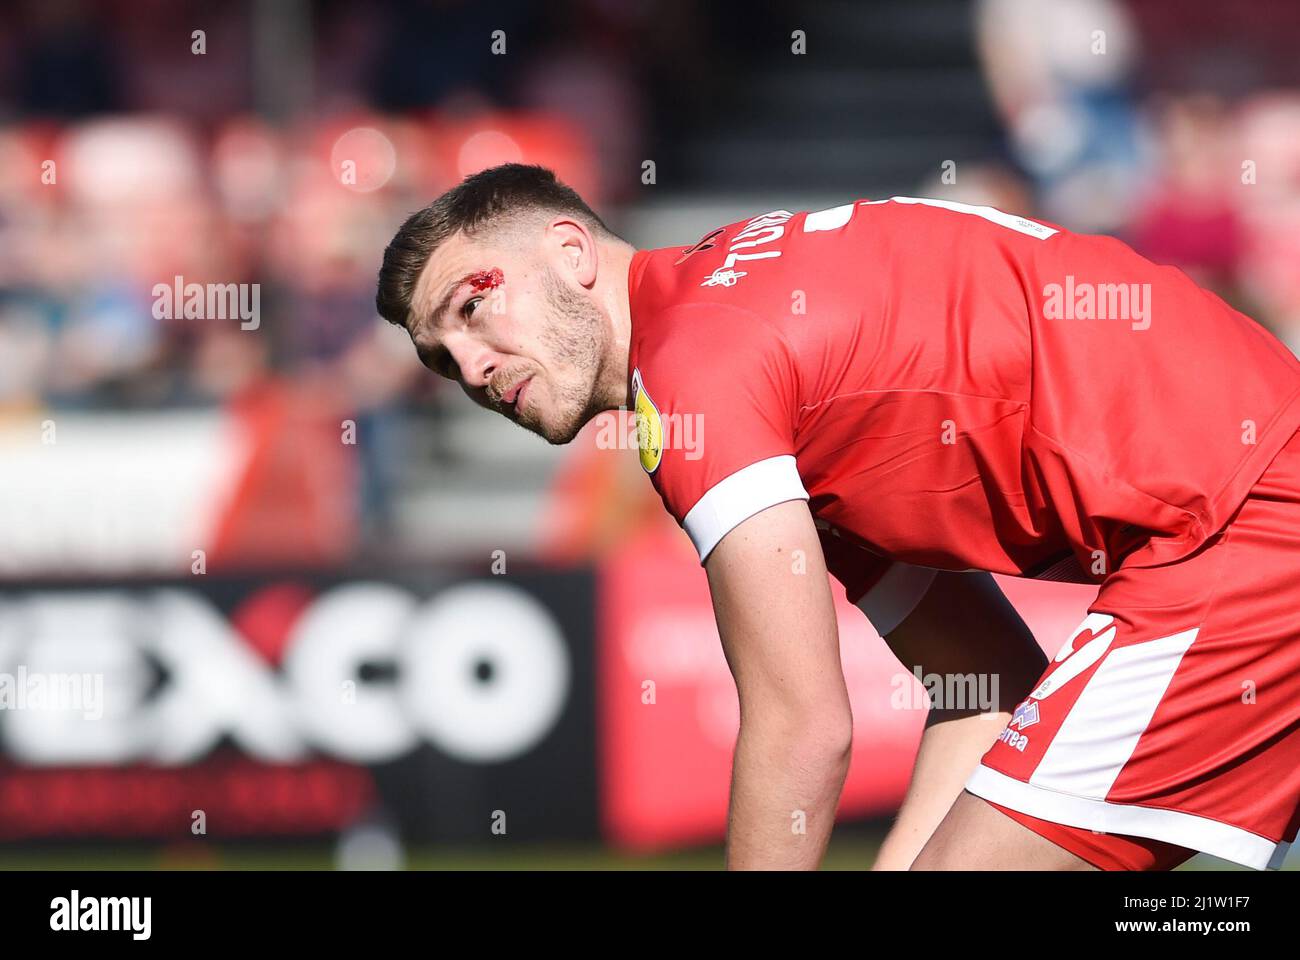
[(910, 394)]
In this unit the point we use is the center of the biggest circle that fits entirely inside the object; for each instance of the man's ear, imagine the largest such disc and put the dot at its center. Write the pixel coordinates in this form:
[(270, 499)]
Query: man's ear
[(576, 247)]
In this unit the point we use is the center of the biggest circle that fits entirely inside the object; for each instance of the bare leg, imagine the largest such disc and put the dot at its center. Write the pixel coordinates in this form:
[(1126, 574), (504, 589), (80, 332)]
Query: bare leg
[(976, 836)]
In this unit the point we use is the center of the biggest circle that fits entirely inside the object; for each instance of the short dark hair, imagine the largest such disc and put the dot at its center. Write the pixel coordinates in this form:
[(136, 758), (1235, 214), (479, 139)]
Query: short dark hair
[(477, 202)]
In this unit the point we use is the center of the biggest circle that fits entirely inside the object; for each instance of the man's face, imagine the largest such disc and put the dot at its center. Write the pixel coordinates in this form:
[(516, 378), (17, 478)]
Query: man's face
[(507, 323)]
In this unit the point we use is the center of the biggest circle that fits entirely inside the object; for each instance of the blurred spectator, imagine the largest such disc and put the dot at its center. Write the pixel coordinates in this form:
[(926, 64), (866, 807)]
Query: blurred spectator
[(1059, 72), (1265, 167), (1191, 214)]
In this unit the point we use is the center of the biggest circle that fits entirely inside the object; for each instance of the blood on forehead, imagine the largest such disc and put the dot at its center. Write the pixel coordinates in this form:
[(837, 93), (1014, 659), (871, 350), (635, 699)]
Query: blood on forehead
[(479, 280), (486, 279)]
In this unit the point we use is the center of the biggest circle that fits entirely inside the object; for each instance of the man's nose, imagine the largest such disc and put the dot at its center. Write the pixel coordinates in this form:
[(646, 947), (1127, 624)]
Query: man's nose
[(476, 362)]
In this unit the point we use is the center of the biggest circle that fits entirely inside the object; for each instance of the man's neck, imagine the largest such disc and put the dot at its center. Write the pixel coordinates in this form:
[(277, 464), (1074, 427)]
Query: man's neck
[(617, 260)]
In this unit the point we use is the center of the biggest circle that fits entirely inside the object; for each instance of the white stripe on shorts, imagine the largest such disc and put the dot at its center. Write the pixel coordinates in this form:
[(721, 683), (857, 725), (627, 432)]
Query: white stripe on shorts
[(1102, 729), (1172, 826)]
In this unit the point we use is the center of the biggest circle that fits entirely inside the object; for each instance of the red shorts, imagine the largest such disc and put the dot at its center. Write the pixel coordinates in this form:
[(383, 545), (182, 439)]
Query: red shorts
[(1169, 722)]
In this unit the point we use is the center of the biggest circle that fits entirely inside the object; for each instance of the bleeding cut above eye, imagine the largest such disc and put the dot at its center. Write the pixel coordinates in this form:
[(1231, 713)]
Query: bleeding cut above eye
[(486, 279)]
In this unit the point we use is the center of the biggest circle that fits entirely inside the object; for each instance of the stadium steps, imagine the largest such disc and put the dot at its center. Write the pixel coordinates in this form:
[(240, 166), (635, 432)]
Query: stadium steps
[(885, 94)]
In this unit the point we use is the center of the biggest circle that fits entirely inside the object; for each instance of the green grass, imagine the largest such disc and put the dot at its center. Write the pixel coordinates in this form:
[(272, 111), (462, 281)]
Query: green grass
[(851, 849), (850, 855)]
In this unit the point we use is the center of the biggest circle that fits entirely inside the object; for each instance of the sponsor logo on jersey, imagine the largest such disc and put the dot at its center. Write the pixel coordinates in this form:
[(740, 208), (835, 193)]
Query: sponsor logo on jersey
[(1016, 741), (649, 426), (1026, 715)]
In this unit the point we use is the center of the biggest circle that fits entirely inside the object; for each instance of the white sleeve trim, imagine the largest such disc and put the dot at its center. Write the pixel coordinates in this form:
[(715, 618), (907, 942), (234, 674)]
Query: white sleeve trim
[(736, 498), (895, 595)]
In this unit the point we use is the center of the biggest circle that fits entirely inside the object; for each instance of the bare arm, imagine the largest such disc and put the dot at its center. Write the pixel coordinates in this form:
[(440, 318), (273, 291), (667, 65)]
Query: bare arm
[(963, 625), (777, 622)]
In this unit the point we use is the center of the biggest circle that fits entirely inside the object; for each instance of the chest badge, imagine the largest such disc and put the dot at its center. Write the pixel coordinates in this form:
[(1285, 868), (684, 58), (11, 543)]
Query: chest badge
[(649, 426), (723, 277)]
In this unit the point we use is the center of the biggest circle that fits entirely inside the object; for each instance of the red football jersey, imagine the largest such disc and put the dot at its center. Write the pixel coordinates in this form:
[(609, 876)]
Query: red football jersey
[(951, 387)]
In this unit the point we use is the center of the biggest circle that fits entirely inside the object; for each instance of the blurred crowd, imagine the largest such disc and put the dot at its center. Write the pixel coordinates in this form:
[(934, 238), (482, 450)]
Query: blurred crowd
[(151, 140), (280, 143), (1173, 125)]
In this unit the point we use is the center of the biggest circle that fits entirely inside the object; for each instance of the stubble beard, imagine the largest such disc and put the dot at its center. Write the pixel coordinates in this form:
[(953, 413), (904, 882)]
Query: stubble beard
[(577, 338)]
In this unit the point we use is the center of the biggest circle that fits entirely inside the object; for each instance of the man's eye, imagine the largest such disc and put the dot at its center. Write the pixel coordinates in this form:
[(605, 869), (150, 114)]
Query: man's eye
[(467, 310)]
